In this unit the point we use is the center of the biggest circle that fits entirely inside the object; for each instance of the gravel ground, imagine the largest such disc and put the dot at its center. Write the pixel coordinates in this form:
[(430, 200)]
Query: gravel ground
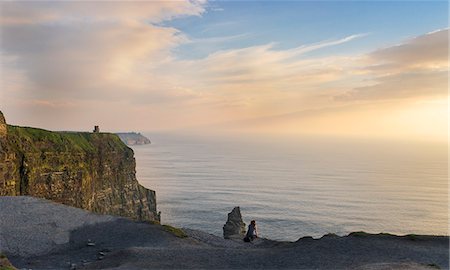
[(38, 234), (216, 241), (31, 226)]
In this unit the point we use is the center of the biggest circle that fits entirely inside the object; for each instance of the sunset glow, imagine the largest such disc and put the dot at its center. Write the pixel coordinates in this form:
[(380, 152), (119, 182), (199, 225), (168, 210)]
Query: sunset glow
[(220, 67)]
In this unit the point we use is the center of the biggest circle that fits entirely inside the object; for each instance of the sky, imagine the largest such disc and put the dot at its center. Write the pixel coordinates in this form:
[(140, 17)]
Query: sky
[(369, 69)]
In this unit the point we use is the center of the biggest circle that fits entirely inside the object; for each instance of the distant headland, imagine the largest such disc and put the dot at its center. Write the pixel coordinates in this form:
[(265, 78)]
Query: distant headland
[(133, 138)]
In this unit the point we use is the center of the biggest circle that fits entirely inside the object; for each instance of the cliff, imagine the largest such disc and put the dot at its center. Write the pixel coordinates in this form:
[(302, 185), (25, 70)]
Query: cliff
[(92, 171), (133, 138)]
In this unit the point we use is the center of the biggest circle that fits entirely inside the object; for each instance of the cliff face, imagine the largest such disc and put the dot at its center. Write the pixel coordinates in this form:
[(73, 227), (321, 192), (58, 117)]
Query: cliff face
[(92, 171)]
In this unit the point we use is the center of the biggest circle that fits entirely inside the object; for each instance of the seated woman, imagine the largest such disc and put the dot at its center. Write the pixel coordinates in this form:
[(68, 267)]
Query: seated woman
[(252, 232)]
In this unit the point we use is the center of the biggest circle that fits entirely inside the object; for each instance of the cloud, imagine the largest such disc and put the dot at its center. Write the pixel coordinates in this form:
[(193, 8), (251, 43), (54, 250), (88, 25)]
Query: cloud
[(75, 59), (304, 49), (416, 68), (14, 13), (261, 79), (96, 57), (119, 61), (87, 50), (219, 39), (258, 65), (429, 51), (402, 85)]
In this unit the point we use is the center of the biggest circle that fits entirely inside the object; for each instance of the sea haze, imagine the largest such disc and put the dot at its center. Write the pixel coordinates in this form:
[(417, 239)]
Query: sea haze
[(296, 188)]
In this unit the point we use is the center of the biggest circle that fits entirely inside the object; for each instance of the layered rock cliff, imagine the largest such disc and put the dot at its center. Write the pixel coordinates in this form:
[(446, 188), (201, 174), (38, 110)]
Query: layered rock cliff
[(92, 171)]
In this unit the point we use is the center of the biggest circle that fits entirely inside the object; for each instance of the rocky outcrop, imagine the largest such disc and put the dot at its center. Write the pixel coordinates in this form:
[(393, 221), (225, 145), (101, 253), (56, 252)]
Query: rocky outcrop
[(234, 227), (92, 171), (133, 138), (2, 126)]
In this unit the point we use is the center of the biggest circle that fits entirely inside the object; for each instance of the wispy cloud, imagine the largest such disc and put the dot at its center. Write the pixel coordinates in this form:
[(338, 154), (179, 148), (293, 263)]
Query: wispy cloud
[(19, 13), (309, 48), (417, 67), (218, 39)]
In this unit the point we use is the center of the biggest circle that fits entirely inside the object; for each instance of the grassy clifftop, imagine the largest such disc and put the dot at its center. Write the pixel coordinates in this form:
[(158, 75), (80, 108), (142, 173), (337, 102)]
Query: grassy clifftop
[(42, 140)]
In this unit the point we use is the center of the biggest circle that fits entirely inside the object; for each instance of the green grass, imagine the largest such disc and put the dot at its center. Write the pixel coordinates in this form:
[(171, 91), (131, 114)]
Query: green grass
[(40, 140), (330, 235), (386, 234), (7, 268), (5, 264), (365, 234), (359, 234), (433, 265), (80, 140), (412, 237), (34, 133), (154, 222), (175, 231)]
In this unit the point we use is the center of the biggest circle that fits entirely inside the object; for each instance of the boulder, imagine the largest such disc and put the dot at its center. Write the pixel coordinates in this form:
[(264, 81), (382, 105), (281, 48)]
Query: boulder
[(234, 227)]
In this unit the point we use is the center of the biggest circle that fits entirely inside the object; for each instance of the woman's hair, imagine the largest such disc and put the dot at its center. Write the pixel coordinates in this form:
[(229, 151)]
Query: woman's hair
[(253, 222)]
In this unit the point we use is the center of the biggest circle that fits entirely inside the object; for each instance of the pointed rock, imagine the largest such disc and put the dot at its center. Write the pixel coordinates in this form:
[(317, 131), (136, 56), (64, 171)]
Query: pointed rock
[(234, 227)]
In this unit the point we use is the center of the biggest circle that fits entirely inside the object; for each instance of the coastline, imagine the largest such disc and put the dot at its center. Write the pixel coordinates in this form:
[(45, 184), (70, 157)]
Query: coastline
[(40, 234)]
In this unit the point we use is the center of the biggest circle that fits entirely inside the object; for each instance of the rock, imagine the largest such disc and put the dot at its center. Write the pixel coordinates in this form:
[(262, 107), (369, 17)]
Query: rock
[(3, 130), (234, 227)]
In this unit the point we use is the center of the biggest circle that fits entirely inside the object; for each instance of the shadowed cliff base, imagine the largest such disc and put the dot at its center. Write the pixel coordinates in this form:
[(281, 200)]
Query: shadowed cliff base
[(39, 234)]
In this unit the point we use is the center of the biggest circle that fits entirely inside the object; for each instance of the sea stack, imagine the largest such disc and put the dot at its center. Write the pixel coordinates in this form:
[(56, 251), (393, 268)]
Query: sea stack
[(234, 227)]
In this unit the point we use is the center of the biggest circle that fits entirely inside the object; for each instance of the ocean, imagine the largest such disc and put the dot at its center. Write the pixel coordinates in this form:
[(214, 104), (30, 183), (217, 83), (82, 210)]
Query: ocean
[(299, 186)]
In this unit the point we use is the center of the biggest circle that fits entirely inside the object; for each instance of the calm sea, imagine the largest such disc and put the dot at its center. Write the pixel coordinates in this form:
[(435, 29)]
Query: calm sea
[(298, 187)]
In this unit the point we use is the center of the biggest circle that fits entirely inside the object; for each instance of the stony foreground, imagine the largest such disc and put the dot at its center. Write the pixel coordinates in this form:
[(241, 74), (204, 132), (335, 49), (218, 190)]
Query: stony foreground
[(39, 234)]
